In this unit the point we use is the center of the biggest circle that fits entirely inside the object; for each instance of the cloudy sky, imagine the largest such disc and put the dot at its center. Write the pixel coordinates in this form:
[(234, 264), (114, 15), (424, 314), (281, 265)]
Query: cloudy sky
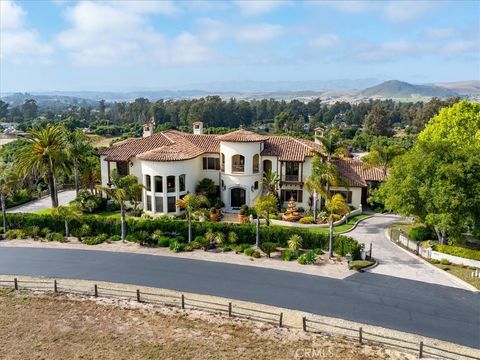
[(85, 45)]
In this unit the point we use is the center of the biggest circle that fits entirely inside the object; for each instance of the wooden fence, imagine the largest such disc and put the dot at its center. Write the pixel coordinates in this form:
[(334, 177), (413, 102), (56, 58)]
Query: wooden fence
[(233, 310)]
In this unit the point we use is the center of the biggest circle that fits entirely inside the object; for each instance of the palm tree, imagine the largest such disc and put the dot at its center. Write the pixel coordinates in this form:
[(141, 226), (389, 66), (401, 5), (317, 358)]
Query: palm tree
[(332, 145), (44, 154), (295, 242), (120, 195), (270, 182), (79, 146), (191, 203), (7, 183), (336, 207), (67, 213), (383, 156)]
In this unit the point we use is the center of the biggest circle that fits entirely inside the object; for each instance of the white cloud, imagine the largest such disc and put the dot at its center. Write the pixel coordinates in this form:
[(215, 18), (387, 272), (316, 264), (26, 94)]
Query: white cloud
[(384, 51), (404, 11), (354, 7), (439, 33), (108, 33), (258, 32), (325, 40), (259, 7), (17, 42)]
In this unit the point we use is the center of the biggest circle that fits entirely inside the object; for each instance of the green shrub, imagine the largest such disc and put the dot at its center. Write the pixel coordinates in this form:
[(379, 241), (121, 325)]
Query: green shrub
[(195, 245), (306, 220), (163, 241), (317, 251), (32, 231), (249, 251), (115, 238), (268, 247), (434, 261), (180, 239), (95, 240), (445, 262), (242, 247), (177, 246), (295, 242), (458, 251), (142, 237), (232, 237), (419, 233), (11, 234), (308, 258), (360, 264), (54, 236), (274, 217), (256, 254), (21, 234), (288, 255), (44, 231), (157, 234), (226, 248)]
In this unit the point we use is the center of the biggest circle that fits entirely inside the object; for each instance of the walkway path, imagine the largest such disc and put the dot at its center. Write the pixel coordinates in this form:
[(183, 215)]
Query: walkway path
[(394, 261), (64, 197), (435, 311)]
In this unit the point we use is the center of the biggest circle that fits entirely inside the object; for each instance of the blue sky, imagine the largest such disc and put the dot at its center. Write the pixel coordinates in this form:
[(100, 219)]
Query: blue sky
[(119, 46)]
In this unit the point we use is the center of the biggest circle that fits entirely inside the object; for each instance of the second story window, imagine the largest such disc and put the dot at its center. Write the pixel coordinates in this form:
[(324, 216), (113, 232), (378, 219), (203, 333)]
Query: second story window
[(158, 184), (256, 163), (181, 181), (292, 170), (171, 183), (148, 182), (211, 163), (238, 164)]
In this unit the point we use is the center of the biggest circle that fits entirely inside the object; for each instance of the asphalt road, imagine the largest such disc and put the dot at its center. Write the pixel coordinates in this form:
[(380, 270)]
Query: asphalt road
[(436, 311)]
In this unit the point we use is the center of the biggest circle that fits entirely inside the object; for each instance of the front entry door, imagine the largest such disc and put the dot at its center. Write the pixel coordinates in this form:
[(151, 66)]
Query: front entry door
[(238, 197)]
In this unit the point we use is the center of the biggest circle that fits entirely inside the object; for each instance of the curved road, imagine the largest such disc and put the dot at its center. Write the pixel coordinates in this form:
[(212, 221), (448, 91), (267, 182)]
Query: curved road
[(431, 310)]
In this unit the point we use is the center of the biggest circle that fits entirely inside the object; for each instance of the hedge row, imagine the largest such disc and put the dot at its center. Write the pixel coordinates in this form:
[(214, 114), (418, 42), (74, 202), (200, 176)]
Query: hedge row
[(245, 232), (458, 251)]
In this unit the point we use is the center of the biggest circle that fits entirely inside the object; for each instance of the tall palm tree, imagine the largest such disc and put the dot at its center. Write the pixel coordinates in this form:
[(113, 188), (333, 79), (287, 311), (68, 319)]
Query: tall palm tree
[(336, 207), (120, 195), (7, 184), (383, 156), (67, 213), (78, 148), (332, 145), (191, 203), (270, 182), (45, 154)]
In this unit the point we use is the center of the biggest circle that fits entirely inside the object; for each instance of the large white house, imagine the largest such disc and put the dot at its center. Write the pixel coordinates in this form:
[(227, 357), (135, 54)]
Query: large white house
[(171, 163)]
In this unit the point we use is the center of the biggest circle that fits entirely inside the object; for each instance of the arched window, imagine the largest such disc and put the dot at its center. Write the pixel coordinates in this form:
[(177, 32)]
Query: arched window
[(256, 163), (148, 182), (158, 184), (238, 164), (181, 182)]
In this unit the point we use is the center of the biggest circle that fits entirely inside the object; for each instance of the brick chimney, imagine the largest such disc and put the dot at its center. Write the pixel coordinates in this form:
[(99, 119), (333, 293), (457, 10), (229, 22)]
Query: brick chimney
[(198, 128)]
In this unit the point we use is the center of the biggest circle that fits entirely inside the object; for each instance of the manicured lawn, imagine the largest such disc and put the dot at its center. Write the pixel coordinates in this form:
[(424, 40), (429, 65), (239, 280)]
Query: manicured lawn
[(344, 227), (106, 214), (461, 272)]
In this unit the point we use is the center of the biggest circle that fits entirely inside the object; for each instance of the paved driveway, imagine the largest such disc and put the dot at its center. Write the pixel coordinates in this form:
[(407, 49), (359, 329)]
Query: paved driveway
[(394, 261), (64, 197), (435, 311)]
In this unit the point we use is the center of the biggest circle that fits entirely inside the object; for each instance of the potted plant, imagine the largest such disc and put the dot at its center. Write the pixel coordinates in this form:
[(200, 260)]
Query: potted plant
[(213, 214), (242, 213)]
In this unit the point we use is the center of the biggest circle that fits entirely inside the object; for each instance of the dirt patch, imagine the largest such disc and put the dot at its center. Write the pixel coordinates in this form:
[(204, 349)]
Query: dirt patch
[(35, 325)]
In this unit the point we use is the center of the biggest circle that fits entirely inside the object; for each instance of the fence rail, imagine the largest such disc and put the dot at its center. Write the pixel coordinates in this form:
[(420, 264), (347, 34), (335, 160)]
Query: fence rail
[(233, 310), (363, 337)]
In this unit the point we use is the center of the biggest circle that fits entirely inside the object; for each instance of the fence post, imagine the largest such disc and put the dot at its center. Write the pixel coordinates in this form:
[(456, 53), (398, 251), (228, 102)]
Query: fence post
[(229, 309), (420, 350), (95, 290), (55, 286), (138, 295), (371, 251), (360, 335), (15, 282), (304, 323), (280, 320), (183, 302)]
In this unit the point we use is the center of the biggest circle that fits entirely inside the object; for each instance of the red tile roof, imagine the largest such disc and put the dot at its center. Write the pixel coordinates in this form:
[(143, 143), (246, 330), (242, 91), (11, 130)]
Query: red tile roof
[(242, 136), (174, 145), (357, 173)]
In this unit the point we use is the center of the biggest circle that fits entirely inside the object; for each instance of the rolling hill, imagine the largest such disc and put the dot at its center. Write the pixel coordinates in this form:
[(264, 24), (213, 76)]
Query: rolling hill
[(400, 89)]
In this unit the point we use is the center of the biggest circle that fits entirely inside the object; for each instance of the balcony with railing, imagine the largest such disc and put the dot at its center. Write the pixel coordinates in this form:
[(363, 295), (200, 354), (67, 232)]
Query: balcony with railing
[(238, 168)]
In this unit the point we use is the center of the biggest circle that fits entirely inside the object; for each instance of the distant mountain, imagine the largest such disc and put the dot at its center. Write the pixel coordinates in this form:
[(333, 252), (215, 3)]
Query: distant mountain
[(467, 88), (398, 89)]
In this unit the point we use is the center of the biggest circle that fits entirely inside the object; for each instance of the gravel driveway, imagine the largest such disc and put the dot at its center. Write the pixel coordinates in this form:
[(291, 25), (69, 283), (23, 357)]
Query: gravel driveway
[(393, 260)]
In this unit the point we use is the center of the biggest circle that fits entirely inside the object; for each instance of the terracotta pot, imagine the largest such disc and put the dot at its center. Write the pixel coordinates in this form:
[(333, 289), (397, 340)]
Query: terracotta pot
[(241, 218), (213, 217)]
